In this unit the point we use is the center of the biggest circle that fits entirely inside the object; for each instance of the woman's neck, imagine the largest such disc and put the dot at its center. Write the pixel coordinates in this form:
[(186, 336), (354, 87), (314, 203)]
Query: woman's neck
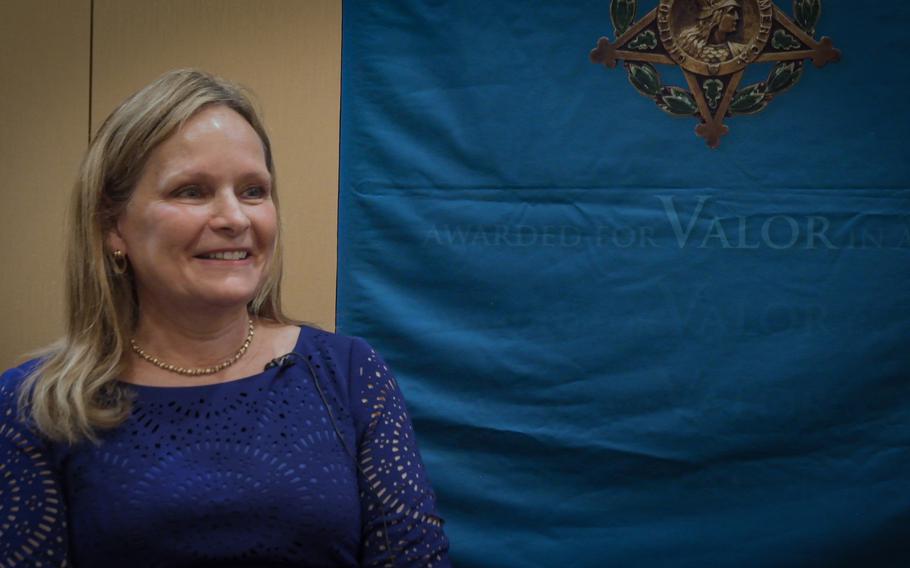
[(192, 340)]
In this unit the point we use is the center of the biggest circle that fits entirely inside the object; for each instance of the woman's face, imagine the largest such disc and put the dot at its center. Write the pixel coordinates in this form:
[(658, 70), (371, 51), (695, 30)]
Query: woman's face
[(200, 227), (729, 20)]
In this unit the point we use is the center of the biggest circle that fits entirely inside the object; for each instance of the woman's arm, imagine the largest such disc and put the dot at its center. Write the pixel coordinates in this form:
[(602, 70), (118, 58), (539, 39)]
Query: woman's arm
[(400, 524), (32, 507)]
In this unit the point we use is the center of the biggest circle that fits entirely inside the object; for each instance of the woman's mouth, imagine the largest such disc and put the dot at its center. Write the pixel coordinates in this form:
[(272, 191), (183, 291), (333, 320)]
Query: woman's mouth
[(225, 255)]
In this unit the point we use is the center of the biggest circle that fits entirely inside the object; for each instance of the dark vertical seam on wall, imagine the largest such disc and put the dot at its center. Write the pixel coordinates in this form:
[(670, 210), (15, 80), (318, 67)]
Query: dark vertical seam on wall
[(91, 60), (338, 212)]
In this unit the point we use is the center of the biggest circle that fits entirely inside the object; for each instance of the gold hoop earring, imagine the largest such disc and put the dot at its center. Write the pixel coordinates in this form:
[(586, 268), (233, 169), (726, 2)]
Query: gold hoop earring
[(120, 262)]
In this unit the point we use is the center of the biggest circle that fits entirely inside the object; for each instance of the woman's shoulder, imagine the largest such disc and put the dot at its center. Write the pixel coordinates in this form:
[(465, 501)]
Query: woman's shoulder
[(13, 430), (347, 346), (21, 371), (10, 381), (356, 364)]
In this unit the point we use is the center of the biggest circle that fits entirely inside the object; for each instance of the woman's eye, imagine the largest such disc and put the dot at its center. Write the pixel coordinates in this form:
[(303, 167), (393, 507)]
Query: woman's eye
[(190, 192), (255, 192)]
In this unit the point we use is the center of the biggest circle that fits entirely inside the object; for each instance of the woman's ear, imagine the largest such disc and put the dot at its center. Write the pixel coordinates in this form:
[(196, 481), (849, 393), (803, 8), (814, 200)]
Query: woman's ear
[(114, 241)]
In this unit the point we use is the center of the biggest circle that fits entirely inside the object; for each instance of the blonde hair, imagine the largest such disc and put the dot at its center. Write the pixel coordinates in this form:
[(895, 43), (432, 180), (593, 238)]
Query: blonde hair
[(74, 391)]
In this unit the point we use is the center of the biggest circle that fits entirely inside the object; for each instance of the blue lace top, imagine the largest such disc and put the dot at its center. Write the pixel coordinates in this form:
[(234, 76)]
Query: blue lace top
[(249, 472)]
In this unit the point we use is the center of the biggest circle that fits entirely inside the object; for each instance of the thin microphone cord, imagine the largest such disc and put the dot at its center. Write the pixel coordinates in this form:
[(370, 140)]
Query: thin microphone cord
[(281, 363)]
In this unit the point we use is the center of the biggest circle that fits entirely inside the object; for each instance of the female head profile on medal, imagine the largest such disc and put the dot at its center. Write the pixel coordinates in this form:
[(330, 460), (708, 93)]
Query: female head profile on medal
[(710, 38)]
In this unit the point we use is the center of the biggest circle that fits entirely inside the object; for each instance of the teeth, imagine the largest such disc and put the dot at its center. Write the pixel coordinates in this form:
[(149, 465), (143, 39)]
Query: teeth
[(231, 255)]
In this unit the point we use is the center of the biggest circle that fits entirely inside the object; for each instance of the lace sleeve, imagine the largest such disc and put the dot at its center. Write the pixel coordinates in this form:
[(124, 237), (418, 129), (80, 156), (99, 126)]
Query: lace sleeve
[(400, 524), (32, 510)]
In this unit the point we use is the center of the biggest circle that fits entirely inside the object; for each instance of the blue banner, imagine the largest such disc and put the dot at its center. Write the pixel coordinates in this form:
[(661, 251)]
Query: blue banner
[(621, 347)]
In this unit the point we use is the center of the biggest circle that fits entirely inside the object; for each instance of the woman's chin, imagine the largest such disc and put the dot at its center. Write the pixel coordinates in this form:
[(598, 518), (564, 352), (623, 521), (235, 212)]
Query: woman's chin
[(223, 299), (226, 292)]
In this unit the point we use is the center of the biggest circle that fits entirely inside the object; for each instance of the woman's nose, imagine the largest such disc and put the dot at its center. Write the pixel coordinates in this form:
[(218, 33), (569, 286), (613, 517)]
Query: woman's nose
[(228, 214)]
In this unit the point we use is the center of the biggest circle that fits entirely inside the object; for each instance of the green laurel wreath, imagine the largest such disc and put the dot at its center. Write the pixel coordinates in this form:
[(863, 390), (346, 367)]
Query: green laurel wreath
[(681, 102)]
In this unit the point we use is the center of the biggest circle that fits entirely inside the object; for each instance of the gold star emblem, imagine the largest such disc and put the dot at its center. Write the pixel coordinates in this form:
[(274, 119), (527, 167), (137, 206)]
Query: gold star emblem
[(714, 41)]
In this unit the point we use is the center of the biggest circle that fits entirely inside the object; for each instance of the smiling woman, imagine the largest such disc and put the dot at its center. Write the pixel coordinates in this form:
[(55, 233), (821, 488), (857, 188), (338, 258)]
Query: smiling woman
[(183, 419), (200, 227)]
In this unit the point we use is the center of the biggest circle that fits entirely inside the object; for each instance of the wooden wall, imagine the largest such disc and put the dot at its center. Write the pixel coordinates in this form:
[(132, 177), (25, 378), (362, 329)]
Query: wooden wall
[(65, 65)]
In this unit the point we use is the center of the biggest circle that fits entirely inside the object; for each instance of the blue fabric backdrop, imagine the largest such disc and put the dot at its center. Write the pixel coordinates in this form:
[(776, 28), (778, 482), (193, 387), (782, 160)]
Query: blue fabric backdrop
[(622, 348)]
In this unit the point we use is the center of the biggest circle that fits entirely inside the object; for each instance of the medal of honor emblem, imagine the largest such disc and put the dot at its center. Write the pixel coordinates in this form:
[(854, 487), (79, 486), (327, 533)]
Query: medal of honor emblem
[(713, 41)]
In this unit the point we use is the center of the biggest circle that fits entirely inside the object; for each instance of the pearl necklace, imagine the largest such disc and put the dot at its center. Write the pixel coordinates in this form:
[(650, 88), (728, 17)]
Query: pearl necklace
[(196, 372)]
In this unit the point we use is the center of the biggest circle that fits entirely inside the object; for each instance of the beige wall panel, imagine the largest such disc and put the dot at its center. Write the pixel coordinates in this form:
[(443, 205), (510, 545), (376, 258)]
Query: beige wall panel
[(44, 65), (289, 53)]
